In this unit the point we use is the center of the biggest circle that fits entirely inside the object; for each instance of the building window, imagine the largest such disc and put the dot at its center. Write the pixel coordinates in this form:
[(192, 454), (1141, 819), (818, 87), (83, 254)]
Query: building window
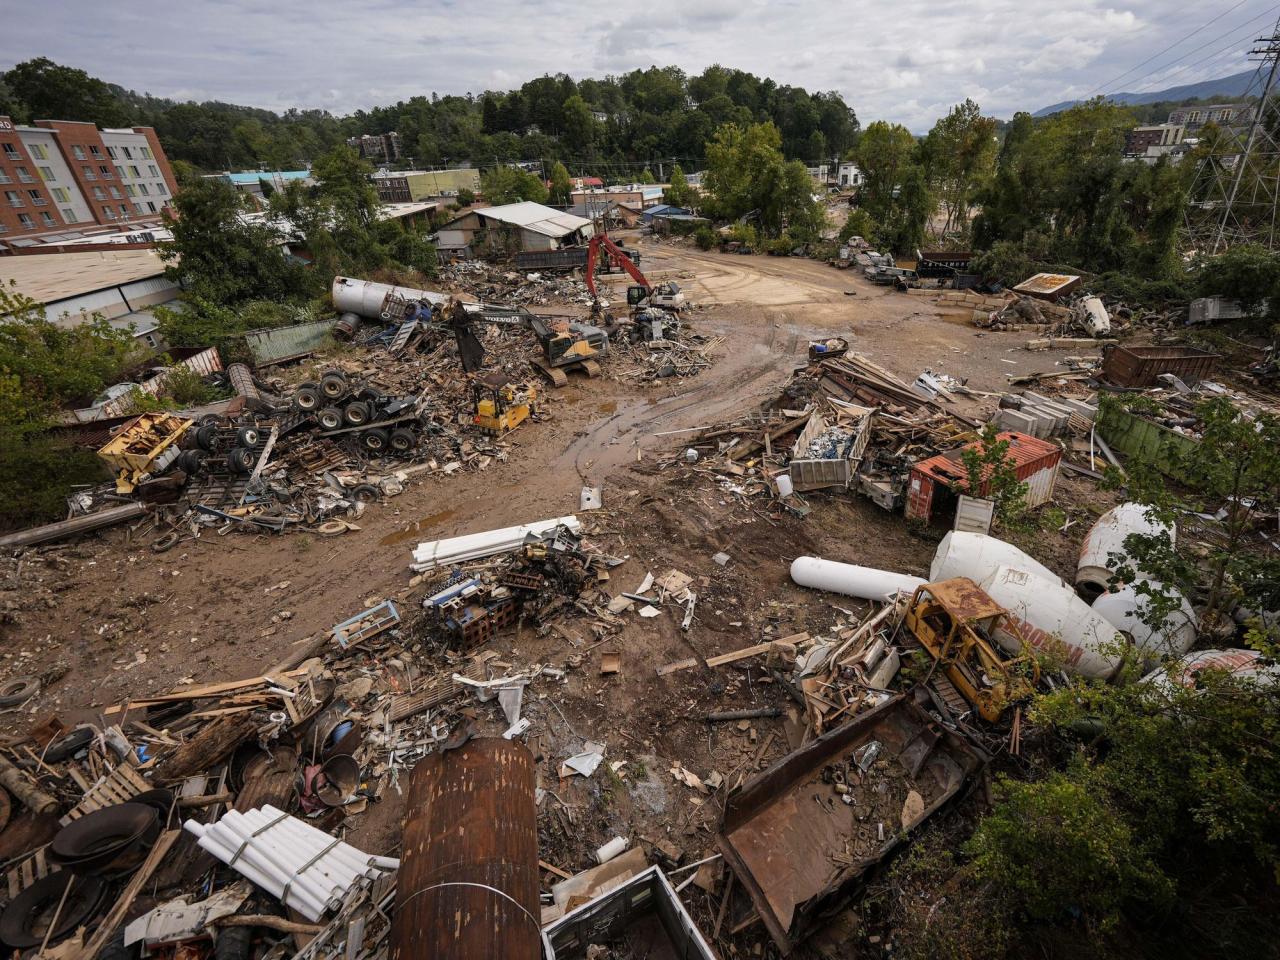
[(14, 198), (5, 178), (124, 210), (105, 171), (47, 217), (95, 151), (68, 215), (128, 154), (108, 213), (38, 151), (36, 199), (138, 209), (46, 173), (120, 171), (4, 228), (99, 194), (59, 194), (111, 152), (134, 172), (160, 189), (88, 173), (77, 152), (11, 152), (154, 171), (115, 194), (151, 206), (27, 222), (142, 189), (128, 188), (24, 175), (146, 153)]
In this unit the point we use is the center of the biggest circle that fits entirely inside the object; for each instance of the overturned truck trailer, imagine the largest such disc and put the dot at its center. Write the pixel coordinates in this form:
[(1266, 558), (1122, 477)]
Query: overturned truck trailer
[(801, 835)]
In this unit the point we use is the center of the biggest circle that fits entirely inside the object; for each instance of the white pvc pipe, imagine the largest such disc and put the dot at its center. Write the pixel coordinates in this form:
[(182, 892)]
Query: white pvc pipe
[(357, 856), (977, 556), (271, 860), (249, 865), (866, 583), (320, 878)]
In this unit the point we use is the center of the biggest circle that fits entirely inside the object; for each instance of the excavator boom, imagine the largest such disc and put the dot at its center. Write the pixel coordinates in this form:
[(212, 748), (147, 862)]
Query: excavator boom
[(616, 254)]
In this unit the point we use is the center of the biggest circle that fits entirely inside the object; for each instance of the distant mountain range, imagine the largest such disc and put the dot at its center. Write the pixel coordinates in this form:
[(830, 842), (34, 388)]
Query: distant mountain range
[(1225, 87)]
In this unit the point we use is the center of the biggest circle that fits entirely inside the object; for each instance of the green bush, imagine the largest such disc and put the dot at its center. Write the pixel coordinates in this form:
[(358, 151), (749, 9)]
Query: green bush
[(466, 197), (704, 236)]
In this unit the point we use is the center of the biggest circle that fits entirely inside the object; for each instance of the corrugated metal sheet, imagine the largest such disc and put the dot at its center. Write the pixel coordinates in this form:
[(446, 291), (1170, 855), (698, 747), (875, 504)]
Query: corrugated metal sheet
[(1035, 464), (203, 362), (278, 344)]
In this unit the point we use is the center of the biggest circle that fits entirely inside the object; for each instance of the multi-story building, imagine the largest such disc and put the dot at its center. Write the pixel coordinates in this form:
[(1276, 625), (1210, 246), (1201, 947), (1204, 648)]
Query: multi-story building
[(410, 186), (378, 146), (59, 175), (1138, 140), (1223, 114)]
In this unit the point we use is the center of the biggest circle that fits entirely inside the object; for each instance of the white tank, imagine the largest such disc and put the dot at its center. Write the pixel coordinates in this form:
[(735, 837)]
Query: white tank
[(1096, 319), (1056, 622), (866, 583), (1246, 664), (365, 297), (1107, 537), (1174, 637), (977, 555)]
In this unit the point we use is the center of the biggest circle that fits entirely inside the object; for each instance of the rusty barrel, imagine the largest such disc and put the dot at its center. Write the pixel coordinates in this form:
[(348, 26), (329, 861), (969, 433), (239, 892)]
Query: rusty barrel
[(467, 887)]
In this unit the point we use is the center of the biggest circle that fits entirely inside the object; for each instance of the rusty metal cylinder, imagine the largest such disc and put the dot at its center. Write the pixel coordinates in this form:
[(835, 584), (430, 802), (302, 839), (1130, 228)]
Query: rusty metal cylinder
[(467, 888)]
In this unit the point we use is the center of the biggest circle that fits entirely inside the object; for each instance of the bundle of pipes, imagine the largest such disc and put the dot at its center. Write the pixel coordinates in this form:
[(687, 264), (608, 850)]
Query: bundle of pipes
[(304, 867), (474, 546)]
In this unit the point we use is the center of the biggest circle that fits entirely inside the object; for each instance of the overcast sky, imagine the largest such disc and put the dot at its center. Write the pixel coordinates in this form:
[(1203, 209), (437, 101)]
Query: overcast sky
[(890, 59)]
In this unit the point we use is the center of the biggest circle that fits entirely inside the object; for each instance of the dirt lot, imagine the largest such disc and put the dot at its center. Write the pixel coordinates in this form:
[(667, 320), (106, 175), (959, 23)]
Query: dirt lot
[(105, 619)]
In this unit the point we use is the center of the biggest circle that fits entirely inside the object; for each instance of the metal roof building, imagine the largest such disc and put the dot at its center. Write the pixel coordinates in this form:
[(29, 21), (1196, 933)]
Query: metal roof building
[(526, 226)]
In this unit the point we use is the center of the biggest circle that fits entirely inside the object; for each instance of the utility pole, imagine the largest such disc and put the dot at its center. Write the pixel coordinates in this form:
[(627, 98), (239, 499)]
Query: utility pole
[(1235, 196)]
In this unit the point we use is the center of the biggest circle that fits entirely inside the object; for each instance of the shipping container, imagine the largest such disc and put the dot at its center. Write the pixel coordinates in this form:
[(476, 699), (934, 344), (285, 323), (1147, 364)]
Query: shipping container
[(1035, 464), (1142, 366)]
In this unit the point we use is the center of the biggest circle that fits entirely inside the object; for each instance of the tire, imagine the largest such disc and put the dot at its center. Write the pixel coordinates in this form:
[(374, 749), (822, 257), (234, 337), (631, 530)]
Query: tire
[(333, 385), (68, 746), (189, 461), (206, 435), (402, 440), (240, 460), (248, 437), (165, 541), (307, 398), (366, 492), (356, 413), (375, 441), (18, 690), (330, 418)]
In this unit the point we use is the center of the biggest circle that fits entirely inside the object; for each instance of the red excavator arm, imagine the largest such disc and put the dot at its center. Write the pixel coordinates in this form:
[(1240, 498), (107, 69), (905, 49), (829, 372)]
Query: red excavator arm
[(614, 253)]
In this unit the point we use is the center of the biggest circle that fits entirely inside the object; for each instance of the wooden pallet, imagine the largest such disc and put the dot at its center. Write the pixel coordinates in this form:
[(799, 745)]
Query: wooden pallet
[(34, 866), (119, 786)]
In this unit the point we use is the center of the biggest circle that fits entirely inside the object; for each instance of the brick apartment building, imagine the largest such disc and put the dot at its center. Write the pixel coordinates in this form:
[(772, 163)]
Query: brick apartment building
[(372, 146), (62, 176)]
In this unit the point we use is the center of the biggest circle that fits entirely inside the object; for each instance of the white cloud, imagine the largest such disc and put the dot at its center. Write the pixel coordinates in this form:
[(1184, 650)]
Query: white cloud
[(889, 61)]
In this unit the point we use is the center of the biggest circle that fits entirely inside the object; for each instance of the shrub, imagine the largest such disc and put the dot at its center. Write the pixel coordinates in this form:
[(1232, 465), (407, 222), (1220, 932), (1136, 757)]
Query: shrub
[(704, 236)]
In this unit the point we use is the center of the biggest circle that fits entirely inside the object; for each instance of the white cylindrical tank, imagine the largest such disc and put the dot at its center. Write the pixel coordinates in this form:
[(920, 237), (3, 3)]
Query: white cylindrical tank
[(1096, 319), (977, 555), (1106, 537), (1246, 664), (1124, 610), (1056, 622), (365, 297), (867, 583)]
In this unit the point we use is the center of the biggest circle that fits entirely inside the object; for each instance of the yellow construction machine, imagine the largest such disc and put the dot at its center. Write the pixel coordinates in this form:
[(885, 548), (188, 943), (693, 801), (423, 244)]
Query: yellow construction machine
[(501, 406), (144, 447), (956, 621)]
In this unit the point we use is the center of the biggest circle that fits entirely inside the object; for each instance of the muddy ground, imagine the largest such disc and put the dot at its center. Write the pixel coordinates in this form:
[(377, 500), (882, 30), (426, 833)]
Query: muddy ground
[(105, 619)]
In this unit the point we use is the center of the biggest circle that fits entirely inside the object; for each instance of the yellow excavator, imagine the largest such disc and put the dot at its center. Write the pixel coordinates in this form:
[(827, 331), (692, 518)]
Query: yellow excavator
[(956, 621)]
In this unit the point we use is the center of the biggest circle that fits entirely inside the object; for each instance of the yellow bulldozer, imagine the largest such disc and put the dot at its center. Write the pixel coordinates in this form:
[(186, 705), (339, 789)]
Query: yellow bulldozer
[(956, 621), (501, 406)]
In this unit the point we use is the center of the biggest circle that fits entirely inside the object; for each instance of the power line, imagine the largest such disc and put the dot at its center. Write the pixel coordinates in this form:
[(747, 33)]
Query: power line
[(1176, 43)]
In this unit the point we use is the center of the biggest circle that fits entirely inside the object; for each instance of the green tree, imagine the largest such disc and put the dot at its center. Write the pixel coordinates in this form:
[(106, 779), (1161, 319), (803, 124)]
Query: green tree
[(1248, 273), (747, 174), (992, 474), (883, 151), (962, 146), (221, 257), (578, 125), (678, 192), (511, 185), (646, 176), (49, 91), (561, 185)]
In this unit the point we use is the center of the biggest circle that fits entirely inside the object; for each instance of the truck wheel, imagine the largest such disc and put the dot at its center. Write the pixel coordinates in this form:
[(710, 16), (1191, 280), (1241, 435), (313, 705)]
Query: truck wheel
[(366, 492), (330, 418), (247, 437), (356, 413), (375, 441), (206, 435), (240, 460), (402, 440), (189, 461), (306, 398), (333, 385)]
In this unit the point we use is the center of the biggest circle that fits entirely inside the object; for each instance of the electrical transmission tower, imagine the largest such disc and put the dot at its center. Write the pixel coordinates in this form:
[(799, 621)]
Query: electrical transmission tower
[(1235, 195)]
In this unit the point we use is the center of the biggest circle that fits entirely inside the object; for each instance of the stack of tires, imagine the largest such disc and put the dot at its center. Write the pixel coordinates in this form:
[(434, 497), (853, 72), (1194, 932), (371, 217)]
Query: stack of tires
[(338, 405)]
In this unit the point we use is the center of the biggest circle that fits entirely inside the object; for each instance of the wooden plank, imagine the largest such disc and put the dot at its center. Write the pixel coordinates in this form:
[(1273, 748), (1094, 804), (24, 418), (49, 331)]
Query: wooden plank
[(108, 927), (678, 665), (209, 690), (742, 654), (562, 874)]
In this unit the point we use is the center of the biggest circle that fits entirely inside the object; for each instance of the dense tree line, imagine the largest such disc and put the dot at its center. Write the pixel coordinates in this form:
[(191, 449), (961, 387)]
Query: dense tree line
[(612, 127)]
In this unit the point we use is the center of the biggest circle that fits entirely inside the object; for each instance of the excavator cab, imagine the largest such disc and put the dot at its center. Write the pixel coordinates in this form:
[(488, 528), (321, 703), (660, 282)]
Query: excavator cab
[(637, 295)]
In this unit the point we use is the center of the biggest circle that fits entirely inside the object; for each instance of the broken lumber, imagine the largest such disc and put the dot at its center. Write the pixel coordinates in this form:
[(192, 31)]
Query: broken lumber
[(17, 783), (211, 745), (749, 714)]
